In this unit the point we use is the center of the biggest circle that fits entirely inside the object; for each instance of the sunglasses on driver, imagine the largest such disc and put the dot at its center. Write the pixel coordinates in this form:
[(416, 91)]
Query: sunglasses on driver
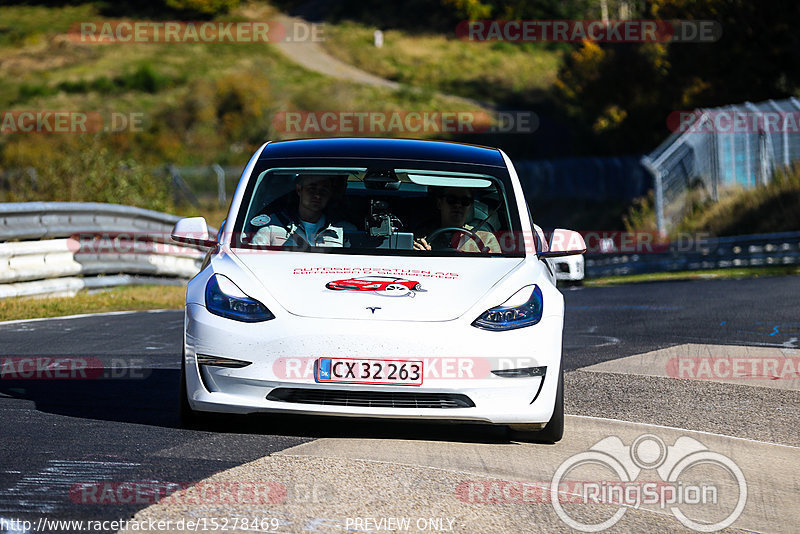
[(455, 199)]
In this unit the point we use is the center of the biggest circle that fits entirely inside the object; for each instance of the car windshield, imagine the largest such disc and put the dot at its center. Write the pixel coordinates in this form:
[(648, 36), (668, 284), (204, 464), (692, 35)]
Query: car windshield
[(379, 209)]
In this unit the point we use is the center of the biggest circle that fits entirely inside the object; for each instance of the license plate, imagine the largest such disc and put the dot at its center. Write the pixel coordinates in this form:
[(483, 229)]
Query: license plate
[(368, 371)]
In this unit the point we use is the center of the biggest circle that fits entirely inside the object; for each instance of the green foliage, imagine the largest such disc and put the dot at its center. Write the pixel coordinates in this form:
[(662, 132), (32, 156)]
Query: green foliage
[(470, 9), (143, 78), (641, 216), (26, 22), (117, 299), (202, 7), (200, 103), (81, 169), (704, 274), (774, 207), (27, 92), (522, 9), (223, 117), (621, 94), (513, 75), (416, 16), (503, 46)]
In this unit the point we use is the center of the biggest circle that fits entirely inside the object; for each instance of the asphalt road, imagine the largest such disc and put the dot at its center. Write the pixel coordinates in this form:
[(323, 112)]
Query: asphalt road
[(632, 319), (122, 425), (59, 433)]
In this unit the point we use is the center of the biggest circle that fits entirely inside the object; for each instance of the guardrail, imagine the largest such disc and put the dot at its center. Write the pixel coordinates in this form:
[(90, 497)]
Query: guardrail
[(711, 253), (58, 248)]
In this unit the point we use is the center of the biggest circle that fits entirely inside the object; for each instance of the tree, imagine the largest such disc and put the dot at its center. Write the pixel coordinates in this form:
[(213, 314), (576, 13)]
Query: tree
[(620, 94), (523, 9)]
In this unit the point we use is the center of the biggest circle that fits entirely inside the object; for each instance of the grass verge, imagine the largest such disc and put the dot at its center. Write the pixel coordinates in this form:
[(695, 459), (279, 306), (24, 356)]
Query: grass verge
[(130, 298), (501, 73), (744, 272)]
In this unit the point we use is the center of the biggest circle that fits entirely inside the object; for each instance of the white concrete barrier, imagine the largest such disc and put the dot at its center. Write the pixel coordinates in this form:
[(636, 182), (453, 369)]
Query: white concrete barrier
[(59, 248)]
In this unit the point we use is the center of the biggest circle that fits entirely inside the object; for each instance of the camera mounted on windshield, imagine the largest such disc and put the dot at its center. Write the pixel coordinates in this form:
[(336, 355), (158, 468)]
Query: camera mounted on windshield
[(380, 222)]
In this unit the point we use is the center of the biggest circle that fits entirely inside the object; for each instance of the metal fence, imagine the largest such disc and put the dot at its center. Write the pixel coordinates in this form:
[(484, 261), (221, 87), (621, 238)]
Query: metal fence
[(713, 156), (186, 182), (712, 253)]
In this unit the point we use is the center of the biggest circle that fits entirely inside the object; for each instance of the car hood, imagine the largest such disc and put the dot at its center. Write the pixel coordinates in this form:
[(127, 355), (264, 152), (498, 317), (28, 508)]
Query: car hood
[(420, 288)]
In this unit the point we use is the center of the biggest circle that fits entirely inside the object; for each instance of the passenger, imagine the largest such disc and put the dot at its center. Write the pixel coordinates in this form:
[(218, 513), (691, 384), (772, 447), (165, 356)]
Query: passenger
[(455, 207), (309, 222)]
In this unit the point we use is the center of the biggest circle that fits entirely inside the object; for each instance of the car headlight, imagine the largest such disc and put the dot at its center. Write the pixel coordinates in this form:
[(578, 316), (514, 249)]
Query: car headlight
[(524, 308), (224, 298)]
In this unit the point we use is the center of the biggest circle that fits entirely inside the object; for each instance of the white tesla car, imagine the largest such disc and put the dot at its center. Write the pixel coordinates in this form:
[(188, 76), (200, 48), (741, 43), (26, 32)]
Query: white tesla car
[(378, 278)]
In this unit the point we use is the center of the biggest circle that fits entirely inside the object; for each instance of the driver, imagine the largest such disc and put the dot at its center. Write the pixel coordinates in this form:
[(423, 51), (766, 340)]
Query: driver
[(308, 224), (455, 207)]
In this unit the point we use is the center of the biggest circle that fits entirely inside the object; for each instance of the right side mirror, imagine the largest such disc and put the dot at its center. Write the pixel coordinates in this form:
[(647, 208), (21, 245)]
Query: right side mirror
[(564, 243)]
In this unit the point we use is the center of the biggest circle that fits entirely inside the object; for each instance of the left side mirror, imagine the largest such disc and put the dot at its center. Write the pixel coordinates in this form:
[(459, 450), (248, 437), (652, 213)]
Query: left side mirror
[(564, 243), (194, 231)]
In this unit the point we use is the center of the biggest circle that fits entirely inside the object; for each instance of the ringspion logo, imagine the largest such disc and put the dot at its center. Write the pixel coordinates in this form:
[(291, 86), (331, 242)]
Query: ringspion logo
[(695, 481)]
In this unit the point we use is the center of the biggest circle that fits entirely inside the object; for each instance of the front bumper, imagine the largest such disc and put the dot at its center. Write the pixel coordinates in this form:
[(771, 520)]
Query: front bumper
[(458, 360)]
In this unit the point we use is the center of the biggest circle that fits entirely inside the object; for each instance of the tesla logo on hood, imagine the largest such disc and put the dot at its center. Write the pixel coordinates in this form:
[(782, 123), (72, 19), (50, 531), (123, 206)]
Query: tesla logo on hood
[(373, 308)]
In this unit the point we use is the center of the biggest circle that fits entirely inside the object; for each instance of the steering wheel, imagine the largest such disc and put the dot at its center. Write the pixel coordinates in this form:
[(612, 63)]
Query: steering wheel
[(436, 233)]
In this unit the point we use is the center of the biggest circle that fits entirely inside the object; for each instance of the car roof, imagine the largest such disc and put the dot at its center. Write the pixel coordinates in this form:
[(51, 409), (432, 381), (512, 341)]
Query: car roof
[(377, 148)]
